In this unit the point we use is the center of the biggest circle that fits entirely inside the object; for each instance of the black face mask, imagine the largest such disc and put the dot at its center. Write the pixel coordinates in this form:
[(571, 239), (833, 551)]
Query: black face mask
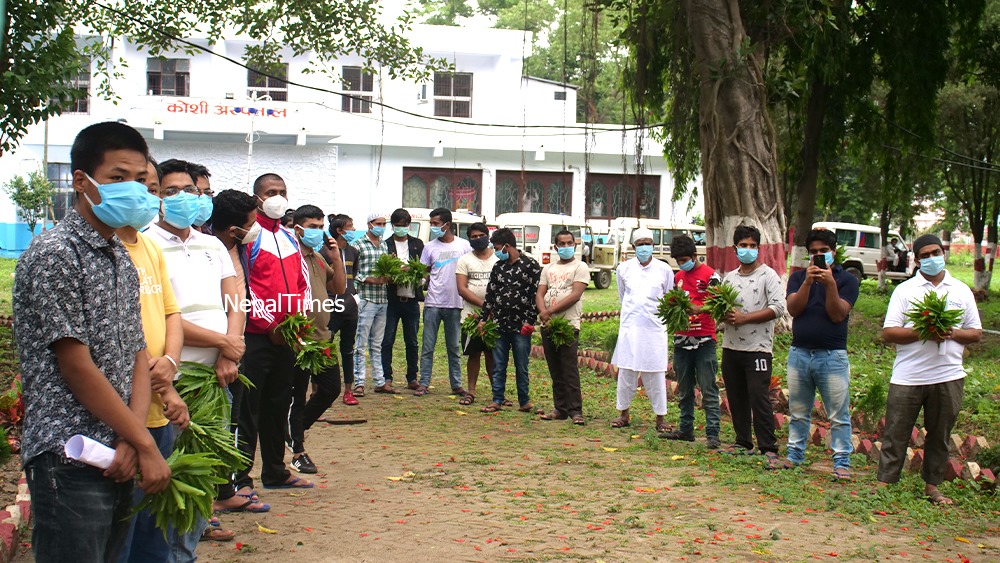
[(479, 243)]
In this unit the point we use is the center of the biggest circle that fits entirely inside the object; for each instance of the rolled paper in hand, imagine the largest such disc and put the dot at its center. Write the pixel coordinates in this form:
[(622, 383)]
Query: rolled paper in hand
[(83, 449)]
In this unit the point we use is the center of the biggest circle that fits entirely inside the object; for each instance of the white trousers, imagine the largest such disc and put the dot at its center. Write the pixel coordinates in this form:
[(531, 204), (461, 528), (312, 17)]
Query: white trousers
[(654, 382)]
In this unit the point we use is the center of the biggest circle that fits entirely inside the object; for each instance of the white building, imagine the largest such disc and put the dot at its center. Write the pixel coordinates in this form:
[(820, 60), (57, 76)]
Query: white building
[(485, 138)]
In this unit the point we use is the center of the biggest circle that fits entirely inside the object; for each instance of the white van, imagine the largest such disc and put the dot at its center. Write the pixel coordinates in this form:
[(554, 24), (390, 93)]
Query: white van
[(420, 226), (617, 247), (536, 235), (864, 249)]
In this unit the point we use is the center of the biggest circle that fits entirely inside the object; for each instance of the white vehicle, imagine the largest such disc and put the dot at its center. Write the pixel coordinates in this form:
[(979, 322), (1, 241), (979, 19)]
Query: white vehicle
[(617, 247), (864, 249), (420, 227), (536, 235)]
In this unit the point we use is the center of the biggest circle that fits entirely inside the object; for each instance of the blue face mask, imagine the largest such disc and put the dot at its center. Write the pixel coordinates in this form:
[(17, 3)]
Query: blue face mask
[(502, 255), (400, 231), (746, 255), (566, 252), (436, 232), (153, 206), (829, 258), (122, 203), (351, 236), (687, 266), (180, 210), (378, 231), (932, 265), (205, 211), (644, 252), (313, 238)]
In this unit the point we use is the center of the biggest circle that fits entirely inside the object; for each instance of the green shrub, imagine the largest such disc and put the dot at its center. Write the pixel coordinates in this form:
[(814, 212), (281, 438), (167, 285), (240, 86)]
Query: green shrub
[(989, 458)]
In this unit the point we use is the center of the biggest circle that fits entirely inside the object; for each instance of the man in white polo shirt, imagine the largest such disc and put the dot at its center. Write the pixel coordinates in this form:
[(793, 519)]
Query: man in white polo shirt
[(926, 375)]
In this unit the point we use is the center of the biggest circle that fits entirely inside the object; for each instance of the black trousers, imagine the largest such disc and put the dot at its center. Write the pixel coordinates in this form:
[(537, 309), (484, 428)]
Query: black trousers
[(748, 380), (409, 312), (941, 403), (302, 413), (565, 373), (236, 389), (348, 329), (264, 410)]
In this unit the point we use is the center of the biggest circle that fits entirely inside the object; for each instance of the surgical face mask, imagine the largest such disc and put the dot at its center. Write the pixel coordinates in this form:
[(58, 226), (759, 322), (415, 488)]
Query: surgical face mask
[(122, 203), (687, 266), (180, 211), (400, 231), (932, 265), (351, 236), (378, 231), (644, 252), (479, 243), (313, 238), (746, 255), (436, 232), (204, 212), (153, 206), (502, 254), (274, 206), (566, 252), (251, 234), (829, 258)]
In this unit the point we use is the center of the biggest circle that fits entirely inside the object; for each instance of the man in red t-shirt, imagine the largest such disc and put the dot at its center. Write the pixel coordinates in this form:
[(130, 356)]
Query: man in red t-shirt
[(694, 349)]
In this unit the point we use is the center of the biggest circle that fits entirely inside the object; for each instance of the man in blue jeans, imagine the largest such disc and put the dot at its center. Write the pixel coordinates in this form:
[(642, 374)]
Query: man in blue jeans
[(820, 299), (443, 303), (510, 301)]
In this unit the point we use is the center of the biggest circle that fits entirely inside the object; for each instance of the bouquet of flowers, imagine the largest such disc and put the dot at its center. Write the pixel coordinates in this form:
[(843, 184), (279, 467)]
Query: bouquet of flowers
[(722, 298), (311, 355), (932, 318), (191, 492), (560, 331), (388, 266), (489, 334), (674, 309)]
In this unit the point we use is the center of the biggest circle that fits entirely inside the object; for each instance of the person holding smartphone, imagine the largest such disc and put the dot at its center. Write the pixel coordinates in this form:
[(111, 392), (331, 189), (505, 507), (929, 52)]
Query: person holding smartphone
[(820, 299)]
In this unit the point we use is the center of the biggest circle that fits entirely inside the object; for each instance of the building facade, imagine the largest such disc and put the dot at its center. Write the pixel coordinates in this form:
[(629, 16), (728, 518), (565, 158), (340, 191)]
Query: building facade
[(482, 138)]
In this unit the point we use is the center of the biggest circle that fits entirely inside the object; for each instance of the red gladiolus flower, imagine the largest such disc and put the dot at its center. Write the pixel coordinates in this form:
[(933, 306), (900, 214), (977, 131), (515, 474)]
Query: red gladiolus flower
[(326, 352), (925, 313)]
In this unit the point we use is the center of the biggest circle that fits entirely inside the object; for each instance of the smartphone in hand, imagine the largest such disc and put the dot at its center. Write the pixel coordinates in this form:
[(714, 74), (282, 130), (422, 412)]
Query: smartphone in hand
[(819, 261)]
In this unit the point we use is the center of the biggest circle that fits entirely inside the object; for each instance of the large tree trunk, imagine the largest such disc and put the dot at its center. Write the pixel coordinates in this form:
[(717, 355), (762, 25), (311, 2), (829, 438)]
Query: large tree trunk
[(738, 160), (805, 208), (883, 264)]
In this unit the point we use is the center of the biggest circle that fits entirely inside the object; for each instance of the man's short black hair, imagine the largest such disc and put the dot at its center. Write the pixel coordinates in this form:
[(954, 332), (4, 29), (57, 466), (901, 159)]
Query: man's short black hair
[(231, 208), (157, 169), (825, 236), (746, 231), (307, 212), (198, 170), (338, 221), (93, 142), (565, 232), (288, 219), (479, 227), (682, 246), (258, 184), (175, 166), (400, 216), (442, 213), (504, 236)]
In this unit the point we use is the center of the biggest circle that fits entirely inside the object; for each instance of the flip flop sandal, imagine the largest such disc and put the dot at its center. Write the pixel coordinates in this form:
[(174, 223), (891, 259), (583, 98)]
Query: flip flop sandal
[(554, 415), (217, 534), (939, 499), (359, 391), (467, 399), (292, 484), (245, 507), (507, 403), (421, 391), (773, 462), (620, 422), (841, 474), (578, 419), (492, 407), (526, 407)]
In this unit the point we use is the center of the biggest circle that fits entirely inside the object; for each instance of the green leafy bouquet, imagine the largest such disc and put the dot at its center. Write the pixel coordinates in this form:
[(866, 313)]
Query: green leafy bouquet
[(190, 494), (674, 309), (489, 334), (932, 318), (388, 266), (560, 331), (208, 432), (413, 275), (722, 298), (311, 355)]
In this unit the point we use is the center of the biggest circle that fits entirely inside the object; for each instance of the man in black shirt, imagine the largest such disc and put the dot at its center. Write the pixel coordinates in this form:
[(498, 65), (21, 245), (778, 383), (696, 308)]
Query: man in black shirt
[(346, 322)]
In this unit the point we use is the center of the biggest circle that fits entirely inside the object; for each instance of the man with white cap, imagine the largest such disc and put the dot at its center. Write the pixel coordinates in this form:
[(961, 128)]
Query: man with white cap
[(642, 339), (372, 305)]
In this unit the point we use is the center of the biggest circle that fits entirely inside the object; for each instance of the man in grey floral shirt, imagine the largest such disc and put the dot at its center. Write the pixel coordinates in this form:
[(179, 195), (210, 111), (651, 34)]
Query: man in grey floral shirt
[(82, 352)]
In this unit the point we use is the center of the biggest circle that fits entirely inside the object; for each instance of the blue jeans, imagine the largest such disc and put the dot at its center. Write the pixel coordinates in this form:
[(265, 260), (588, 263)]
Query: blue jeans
[(371, 330), (146, 542), (521, 346), (698, 366), (408, 312), (79, 514), (829, 372), (452, 319)]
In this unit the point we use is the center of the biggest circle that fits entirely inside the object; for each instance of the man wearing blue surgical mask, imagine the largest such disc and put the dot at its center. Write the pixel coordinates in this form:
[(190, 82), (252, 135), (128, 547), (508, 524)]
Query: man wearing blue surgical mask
[(345, 323), (747, 345), (928, 374), (371, 308), (404, 301)]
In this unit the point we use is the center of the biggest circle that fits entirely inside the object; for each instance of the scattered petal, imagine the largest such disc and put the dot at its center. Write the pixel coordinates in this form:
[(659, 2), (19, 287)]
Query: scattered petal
[(961, 539), (607, 449), (676, 457), (265, 530)]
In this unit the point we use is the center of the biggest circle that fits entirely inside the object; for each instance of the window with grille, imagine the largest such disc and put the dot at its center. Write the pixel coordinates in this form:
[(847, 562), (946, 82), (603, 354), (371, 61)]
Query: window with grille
[(81, 82), (617, 195), (168, 77), (274, 86), (559, 96), (443, 187), (358, 86), (61, 177), (453, 94), (544, 192)]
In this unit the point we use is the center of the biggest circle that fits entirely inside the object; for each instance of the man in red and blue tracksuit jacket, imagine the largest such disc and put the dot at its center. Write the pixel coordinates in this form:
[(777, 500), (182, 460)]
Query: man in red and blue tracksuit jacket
[(278, 286)]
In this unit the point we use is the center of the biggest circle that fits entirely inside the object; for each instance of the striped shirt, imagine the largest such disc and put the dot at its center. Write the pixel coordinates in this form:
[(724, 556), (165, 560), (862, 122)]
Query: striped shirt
[(368, 254)]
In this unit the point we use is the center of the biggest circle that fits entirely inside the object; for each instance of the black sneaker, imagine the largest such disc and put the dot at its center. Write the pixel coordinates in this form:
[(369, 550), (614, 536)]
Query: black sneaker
[(678, 435), (303, 464), (713, 443)]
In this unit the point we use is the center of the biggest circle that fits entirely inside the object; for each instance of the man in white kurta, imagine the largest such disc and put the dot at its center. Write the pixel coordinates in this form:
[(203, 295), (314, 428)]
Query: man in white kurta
[(642, 339)]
